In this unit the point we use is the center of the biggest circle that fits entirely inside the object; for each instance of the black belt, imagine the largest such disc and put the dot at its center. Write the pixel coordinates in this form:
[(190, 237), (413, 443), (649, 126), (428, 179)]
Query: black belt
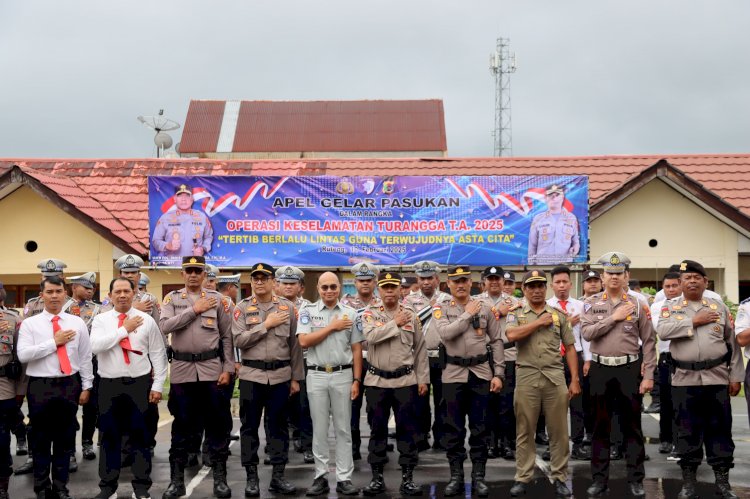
[(398, 373), (126, 380), (196, 357), (703, 364), (330, 369), (266, 366), (509, 344), (466, 361)]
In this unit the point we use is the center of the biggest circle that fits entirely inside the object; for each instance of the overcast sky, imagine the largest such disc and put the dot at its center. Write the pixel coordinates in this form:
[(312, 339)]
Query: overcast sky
[(594, 77)]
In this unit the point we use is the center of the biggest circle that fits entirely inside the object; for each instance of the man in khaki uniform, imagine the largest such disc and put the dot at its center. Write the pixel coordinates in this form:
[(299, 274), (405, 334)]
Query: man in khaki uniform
[(467, 327), (428, 277), (265, 331), (707, 369), (364, 281), (501, 421), (80, 304), (554, 235), (615, 322), (10, 386), (538, 331), (396, 378), (200, 324)]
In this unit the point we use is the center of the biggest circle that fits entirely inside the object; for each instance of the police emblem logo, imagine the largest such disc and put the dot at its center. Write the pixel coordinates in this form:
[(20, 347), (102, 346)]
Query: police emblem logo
[(717, 328), (683, 266), (493, 270), (535, 273), (50, 265), (713, 306), (665, 312), (437, 312), (288, 271), (260, 266), (388, 276), (237, 313), (130, 260), (614, 259), (193, 260), (425, 266), (183, 186)]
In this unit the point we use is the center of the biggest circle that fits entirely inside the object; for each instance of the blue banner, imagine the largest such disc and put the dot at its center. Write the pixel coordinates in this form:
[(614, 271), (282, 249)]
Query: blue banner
[(338, 221)]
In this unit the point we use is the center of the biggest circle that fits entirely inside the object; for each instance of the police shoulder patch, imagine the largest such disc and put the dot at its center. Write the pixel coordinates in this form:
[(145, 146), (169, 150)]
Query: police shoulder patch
[(237, 313), (437, 311)]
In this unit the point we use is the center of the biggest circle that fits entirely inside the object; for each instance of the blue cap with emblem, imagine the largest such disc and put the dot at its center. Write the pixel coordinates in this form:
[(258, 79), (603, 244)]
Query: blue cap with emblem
[(493, 271), (129, 263), (51, 267), (591, 274), (364, 271), (614, 262), (509, 276)]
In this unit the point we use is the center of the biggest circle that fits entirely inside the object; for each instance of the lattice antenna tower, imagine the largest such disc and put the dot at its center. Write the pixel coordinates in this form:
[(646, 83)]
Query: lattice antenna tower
[(502, 65)]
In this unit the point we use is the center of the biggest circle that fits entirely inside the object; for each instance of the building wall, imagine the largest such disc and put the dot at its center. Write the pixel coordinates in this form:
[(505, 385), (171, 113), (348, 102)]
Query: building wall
[(28, 217), (313, 154), (681, 228)]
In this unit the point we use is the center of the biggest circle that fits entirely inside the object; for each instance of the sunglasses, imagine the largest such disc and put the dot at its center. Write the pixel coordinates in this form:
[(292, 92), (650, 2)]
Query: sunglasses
[(260, 279), (193, 270), (326, 287)]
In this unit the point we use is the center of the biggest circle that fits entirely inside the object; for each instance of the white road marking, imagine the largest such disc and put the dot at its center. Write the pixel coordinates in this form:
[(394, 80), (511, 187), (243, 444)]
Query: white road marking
[(198, 478)]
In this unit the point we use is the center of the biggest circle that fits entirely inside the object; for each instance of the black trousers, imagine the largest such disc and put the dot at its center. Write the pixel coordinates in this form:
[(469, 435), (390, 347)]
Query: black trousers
[(436, 382), (123, 404), (704, 418), (91, 410), (747, 389), (8, 420), (615, 389), (300, 422), (579, 406), (274, 399), (464, 400), (195, 405), (403, 401), (667, 413), (357, 411), (53, 404), (505, 426)]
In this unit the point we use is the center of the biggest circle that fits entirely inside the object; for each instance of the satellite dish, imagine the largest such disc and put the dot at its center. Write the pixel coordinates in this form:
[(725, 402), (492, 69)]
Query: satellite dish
[(163, 140), (177, 147), (160, 124)]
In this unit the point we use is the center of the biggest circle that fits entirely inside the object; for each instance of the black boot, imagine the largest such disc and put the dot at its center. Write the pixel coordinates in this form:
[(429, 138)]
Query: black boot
[(279, 484), (252, 488), (408, 487), (722, 483), (688, 484), (22, 446), (176, 481), (221, 489), (88, 450), (456, 484), (377, 484), (4, 482), (478, 484)]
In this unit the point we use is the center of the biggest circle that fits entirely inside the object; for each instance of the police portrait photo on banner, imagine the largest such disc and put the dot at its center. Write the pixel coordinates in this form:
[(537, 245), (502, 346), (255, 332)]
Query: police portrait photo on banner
[(338, 221)]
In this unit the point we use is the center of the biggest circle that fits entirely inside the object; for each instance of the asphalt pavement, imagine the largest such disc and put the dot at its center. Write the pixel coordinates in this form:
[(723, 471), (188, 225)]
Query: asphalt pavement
[(663, 478)]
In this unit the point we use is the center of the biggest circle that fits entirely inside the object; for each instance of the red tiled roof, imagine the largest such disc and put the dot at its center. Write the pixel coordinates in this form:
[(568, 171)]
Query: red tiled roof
[(113, 192), (319, 126)]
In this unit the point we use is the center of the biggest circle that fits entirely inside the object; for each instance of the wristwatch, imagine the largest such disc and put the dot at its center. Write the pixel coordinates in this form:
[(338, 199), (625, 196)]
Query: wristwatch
[(359, 380)]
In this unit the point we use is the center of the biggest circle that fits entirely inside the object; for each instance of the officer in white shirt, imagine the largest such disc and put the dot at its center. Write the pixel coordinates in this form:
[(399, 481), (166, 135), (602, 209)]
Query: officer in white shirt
[(127, 343), (55, 346)]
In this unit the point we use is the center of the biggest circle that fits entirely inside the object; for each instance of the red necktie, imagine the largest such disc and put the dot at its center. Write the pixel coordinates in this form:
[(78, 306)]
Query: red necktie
[(564, 306), (124, 343), (62, 353)]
